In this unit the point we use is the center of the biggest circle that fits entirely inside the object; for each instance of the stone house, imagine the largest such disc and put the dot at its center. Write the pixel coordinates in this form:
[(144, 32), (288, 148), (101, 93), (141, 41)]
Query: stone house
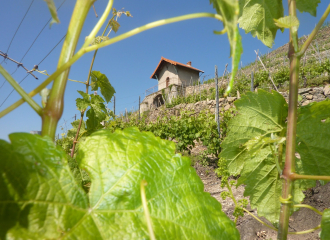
[(173, 77)]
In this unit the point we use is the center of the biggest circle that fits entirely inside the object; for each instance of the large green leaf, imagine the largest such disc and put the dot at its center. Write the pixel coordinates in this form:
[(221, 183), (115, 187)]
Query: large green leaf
[(325, 225), (229, 10), (309, 6), (254, 134), (260, 114), (40, 198), (257, 17), (99, 80), (39, 194), (313, 134)]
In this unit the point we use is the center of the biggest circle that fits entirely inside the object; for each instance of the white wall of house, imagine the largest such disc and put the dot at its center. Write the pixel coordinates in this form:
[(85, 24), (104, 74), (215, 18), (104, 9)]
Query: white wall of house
[(167, 71), (170, 71)]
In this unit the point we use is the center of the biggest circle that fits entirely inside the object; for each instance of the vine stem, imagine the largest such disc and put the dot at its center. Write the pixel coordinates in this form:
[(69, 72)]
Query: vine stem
[(275, 229), (309, 207), (83, 112), (87, 85), (82, 51), (45, 73), (146, 210), (20, 91), (289, 166), (54, 108), (296, 176)]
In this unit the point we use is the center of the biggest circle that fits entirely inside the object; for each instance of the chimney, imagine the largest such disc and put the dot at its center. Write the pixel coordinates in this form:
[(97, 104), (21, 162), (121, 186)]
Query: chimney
[(189, 63)]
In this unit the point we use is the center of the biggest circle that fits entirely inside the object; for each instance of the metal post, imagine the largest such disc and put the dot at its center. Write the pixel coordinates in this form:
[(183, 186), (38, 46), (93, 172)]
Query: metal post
[(252, 81), (139, 106), (199, 85), (114, 105), (217, 100)]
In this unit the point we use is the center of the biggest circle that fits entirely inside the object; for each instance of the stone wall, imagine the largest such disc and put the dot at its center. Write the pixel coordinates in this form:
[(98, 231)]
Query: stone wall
[(307, 95)]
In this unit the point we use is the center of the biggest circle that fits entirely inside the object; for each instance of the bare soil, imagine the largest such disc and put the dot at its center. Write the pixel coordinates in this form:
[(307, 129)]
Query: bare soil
[(251, 229)]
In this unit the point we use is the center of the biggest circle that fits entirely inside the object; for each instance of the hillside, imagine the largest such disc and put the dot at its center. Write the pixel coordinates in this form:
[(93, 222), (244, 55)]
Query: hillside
[(314, 71)]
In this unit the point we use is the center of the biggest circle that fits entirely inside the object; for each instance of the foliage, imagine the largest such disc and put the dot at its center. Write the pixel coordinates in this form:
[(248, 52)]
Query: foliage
[(185, 129), (325, 225), (253, 143), (263, 25), (42, 189), (100, 81), (47, 201)]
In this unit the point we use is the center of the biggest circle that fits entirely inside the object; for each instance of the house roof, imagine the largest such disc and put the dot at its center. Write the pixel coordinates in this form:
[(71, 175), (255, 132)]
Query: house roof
[(163, 60)]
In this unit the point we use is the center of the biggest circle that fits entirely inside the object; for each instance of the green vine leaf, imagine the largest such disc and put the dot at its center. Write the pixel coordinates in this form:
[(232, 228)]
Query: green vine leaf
[(99, 39), (99, 80), (257, 17), (229, 10), (114, 25), (260, 114), (82, 103), (36, 185), (253, 137), (53, 12), (325, 225), (313, 134), (288, 22), (45, 201), (308, 6), (73, 131)]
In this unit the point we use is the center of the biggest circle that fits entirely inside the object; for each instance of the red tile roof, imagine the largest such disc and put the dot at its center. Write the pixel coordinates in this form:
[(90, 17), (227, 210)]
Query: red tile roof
[(173, 63)]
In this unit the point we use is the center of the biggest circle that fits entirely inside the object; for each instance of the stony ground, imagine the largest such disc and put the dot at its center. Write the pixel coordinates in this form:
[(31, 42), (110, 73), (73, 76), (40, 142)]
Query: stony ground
[(251, 229)]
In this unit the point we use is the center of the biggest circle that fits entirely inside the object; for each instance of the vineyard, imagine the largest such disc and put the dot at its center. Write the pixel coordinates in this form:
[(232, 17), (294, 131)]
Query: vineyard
[(262, 155)]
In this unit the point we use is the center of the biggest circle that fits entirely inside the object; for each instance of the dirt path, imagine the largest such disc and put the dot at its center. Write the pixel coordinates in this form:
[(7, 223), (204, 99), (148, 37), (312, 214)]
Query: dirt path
[(249, 228)]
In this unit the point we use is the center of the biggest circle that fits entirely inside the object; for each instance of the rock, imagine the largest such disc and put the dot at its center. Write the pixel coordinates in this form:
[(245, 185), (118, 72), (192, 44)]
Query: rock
[(309, 97), (231, 99), (326, 90), (318, 90), (221, 99), (319, 97), (304, 90), (227, 107), (190, 106), (305, 103)]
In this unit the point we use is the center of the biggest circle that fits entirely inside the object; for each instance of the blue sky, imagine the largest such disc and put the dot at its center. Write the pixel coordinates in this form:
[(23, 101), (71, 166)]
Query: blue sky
[(128, 64)]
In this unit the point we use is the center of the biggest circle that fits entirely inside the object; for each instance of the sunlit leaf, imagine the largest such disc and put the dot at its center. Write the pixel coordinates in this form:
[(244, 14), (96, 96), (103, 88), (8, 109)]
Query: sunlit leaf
[(100, 80), (41, 199), (114, 25), (325, 225), (309, 6), (253, 138), (53, 11), (83, 103), (313, 134), (288, 22), (257, 17)]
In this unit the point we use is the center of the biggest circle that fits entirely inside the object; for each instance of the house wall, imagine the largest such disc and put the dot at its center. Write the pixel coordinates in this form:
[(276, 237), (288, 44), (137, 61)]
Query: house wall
[(170, 71), (188, 77), (167, 71)]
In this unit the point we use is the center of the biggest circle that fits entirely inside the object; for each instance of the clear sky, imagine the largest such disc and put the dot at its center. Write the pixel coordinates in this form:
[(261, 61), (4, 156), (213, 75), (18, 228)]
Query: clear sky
[(128, 64)]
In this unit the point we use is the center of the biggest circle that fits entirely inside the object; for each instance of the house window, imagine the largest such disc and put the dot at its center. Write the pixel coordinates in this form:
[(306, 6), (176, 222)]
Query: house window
[(167, 81)]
